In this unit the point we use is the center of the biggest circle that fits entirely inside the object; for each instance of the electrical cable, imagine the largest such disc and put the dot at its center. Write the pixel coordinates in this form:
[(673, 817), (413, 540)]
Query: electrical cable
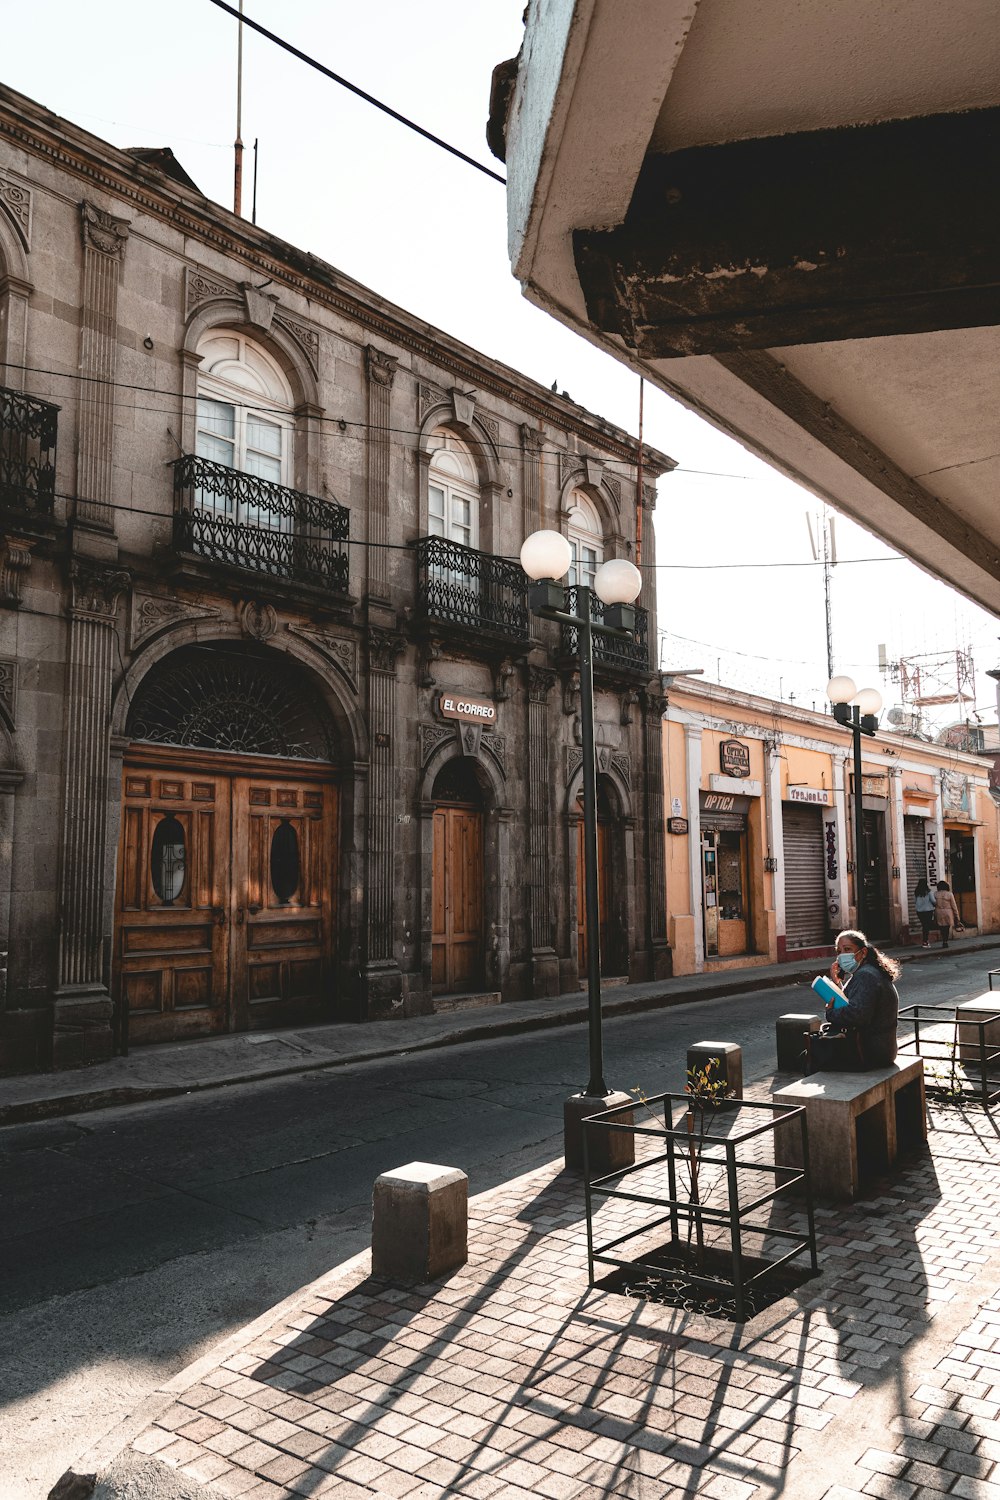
[(353, 88)]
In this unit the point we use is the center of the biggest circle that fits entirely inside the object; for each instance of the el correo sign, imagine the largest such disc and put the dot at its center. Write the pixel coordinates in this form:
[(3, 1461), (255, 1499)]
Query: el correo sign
[(467, 708)]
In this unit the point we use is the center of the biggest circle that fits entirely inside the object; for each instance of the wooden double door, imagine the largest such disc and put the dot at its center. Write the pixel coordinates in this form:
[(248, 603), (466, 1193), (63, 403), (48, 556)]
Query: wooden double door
[(457, 898), (225, 914), (604, 864)]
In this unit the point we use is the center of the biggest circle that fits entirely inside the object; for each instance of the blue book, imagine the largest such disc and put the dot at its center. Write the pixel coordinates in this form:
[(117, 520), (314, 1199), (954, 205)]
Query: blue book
[(829, 993)]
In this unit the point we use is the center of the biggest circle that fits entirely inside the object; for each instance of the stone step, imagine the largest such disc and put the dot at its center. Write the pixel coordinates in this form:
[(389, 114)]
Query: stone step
[(445, 1003)]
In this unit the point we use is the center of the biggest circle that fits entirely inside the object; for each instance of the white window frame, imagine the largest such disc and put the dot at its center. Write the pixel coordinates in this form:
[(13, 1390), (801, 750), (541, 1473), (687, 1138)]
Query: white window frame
[(585, 536), (261, 393), (455, 490)]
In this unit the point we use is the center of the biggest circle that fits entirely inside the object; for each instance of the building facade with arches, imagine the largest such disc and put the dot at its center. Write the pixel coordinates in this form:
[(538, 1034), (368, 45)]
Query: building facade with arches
[(279, 740)]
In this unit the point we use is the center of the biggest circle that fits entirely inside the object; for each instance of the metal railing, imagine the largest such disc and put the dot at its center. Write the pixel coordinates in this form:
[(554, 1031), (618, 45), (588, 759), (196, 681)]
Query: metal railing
[(243, 521), (27, 453), (960, 1054), (611, 653), (470, 589)]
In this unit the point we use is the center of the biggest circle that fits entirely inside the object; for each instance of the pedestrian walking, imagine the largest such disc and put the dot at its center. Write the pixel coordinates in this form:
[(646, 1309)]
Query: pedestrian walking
[(925, 901), (946, 913)]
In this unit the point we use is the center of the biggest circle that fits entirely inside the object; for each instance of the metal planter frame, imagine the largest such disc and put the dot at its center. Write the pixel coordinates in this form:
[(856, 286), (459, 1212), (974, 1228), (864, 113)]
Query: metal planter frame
[(969, 1037)]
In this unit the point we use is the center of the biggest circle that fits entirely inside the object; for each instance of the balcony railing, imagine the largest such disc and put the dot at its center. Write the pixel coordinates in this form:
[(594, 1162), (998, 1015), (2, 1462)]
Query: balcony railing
[(472, 590), (27, 453), (610, 653), (242, 521)]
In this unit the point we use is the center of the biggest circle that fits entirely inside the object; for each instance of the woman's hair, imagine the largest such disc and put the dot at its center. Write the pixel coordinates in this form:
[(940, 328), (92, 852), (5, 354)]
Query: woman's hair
[(943, 885), (881, 960), (921, 888)]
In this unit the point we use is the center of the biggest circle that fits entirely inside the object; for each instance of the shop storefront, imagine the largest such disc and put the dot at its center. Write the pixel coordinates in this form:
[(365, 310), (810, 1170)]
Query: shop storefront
[(725, 886), (804, 858)]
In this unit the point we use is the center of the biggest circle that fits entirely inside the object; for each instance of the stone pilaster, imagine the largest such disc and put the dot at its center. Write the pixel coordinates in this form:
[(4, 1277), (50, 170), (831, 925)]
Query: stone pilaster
[(83, 1004), (104, 241), (654, 707), (381, 370), (544, 961), (382, 974), (531, 487)]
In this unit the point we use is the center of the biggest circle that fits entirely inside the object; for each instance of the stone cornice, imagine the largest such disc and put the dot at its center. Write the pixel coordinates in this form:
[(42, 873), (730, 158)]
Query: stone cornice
[(36, 130)]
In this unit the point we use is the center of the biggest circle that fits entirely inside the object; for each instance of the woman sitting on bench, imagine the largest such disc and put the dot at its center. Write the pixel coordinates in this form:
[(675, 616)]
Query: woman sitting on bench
[(861, 1020)]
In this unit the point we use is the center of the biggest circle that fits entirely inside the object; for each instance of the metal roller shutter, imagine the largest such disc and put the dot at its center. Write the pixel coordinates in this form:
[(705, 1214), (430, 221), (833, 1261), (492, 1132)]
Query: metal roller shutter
[(804, 876), (915, 845)]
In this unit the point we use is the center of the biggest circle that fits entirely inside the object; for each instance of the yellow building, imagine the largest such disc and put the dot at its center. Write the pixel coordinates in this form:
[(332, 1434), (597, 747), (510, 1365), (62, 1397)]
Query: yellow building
[(760, 830)]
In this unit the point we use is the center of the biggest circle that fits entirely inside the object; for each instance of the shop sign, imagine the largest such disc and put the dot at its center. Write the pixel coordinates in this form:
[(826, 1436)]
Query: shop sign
[(734, 758), (956, 796), (724, 802), (467, 708), (932, 856), (677, 825), (832, 866), (873, 786), (816, 794)]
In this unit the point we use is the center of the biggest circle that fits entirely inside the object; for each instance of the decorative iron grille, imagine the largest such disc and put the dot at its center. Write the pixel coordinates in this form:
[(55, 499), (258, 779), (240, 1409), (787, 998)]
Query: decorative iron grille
[(248, 522), (27, 453), (610, 653), (473, 589), (246, 701)]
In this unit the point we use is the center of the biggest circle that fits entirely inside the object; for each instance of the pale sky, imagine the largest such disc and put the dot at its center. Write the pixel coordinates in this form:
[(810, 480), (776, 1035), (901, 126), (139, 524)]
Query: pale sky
[(429, 233)]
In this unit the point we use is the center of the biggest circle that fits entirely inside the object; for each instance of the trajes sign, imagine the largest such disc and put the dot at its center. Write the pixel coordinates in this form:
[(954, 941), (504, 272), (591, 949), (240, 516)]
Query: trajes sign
[(467, 708), (734, 758), (815, 794)]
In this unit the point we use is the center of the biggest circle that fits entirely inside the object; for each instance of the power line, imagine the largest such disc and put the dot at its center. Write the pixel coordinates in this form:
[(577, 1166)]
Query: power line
[(353, 88)]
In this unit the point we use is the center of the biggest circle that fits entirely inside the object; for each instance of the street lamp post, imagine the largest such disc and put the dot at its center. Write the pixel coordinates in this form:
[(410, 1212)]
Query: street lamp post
[(546, 558), (858, 712)]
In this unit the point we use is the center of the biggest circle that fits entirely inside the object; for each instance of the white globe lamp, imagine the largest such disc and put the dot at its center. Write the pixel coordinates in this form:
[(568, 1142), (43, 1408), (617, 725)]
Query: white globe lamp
[(618, 582), (546, 554), (869, 701), (841, 689)]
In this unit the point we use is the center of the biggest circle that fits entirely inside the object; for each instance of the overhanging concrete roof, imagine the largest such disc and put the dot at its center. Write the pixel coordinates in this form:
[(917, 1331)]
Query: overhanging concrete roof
[(784, 213)]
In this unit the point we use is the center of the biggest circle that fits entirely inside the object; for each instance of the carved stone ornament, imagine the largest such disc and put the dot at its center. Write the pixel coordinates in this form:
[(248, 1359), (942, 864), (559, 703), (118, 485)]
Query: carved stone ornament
[(495, 745), (463, 406), (470, 737), (258, 621), (17, 202), (199, 288), (571, 693), (613, 485), (621, 764), (531, 439), (656, 706), (569, 463), (96, 590), (540, 684), (15, 560), (8, 687), (491, 426), (384, 646), (649, 497), (381, 367), (342, 651), (628, 702), (608, 760), (430, 654), (307, 338), (574, 760), (431, 736), (502, 674), (594, 470), (259, 306), (102, 231), (150, 614), (428, 396)]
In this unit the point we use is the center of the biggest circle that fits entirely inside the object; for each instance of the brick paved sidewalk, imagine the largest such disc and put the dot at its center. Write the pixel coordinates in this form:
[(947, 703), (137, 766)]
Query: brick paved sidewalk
[(512, 1378)]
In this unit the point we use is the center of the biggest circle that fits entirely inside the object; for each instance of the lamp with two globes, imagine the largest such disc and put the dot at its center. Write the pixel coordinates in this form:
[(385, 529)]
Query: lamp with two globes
[(858, 712)]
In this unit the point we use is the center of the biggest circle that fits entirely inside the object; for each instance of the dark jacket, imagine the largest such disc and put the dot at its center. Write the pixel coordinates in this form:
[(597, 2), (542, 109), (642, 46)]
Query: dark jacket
[(872, 1011)]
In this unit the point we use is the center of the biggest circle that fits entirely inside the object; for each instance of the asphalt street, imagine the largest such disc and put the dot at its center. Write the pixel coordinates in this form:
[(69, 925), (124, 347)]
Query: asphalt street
[(132, 1239)]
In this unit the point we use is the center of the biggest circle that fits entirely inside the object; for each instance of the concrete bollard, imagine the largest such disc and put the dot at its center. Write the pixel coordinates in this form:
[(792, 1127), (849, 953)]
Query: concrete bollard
[(607, 1149), (789, 1033), (420, 1222), (729, 1067), (980, 1009)]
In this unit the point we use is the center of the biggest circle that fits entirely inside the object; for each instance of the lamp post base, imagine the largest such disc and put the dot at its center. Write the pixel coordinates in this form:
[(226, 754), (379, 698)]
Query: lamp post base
[(607, 1149)]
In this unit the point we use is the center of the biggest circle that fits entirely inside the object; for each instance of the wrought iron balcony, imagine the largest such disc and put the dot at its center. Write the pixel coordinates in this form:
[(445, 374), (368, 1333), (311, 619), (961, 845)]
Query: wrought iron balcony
[(27, 453), (242, 521), (473, 591), (611, 655)]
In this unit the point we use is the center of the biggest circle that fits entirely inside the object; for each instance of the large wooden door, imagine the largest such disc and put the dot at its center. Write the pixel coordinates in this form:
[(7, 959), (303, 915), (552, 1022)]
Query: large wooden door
[(172, 929), (457, 898), (604, 846), (226, 896), (283, 920)]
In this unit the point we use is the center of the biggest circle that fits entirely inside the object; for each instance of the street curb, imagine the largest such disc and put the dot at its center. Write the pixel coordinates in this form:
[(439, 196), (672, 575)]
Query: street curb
[(33, 1110)]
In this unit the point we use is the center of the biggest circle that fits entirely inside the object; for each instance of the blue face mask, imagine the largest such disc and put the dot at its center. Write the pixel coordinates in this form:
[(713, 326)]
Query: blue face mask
[(847, 962)]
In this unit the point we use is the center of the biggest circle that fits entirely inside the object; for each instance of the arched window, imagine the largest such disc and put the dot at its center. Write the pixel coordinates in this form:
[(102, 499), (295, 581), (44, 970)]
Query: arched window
[(244, 408), (452, 490), (586, 538)]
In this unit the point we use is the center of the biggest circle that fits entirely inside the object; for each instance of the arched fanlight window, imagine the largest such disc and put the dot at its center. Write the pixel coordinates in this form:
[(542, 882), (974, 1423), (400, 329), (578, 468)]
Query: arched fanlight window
[(245, 406), (452, 490), (583, 529)]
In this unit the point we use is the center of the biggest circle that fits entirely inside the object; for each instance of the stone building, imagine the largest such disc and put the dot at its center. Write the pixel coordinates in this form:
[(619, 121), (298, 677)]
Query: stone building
[(279, 739)]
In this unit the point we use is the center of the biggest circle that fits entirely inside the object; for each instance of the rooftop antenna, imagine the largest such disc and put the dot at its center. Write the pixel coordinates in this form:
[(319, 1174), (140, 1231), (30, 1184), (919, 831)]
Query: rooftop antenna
[(238, 146), (824, 549)]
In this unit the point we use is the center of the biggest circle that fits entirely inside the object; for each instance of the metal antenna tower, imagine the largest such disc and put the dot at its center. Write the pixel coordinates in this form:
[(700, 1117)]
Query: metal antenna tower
[(823, 541)]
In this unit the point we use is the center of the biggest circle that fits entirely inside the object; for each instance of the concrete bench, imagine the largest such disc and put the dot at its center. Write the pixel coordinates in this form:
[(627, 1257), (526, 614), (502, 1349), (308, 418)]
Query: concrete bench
[(857, 1124), (420, 1222), (789, 1035)]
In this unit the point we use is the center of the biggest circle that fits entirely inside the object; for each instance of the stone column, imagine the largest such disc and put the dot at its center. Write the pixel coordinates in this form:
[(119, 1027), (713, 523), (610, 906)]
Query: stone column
[(531, 488), (692, 757), (899, 906), (383, 980), (381, 369), (544, 960), (82, 999), (104, 240), (654, 708)]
